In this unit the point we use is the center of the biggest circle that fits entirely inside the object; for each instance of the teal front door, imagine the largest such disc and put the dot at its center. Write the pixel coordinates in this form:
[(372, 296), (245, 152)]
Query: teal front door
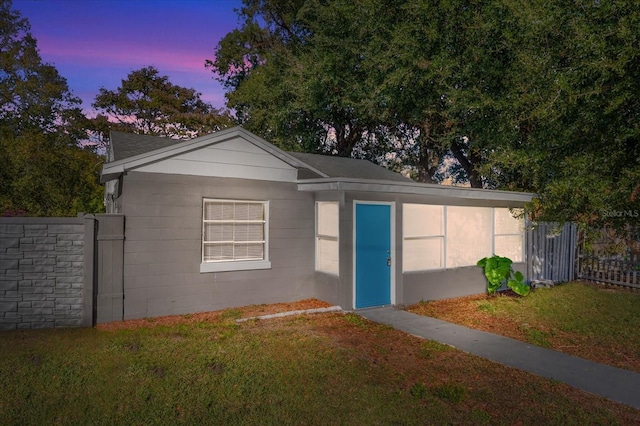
[(372, 255)]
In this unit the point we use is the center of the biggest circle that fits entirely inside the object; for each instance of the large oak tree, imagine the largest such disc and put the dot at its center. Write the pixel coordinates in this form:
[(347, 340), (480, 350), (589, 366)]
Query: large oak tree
[(508, 94)]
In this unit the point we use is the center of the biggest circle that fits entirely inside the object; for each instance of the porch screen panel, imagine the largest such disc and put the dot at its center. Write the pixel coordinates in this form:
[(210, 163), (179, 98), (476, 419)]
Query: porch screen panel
[(233, 230), (508, 235), (469, 235), (423, 237), (327, 228)]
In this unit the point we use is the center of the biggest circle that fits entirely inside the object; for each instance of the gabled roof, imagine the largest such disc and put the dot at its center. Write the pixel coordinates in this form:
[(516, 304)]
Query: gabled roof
[(142, 150), (341, 167), (129, 151), (124, 145), (315, 172)]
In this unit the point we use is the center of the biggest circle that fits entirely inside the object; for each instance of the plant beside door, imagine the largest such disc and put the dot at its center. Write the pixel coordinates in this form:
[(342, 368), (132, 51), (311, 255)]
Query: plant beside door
[(498, 271)]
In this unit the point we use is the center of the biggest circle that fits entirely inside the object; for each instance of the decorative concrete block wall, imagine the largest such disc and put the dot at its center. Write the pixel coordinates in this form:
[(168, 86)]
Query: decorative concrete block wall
[(46, 272)]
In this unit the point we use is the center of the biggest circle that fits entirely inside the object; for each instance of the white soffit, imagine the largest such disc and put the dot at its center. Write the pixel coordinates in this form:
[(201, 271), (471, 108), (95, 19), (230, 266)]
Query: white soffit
[(412, 188)]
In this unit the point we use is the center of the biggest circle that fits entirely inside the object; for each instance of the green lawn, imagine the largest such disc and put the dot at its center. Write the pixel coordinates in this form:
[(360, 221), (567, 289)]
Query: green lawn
[(317, 370), (587, 320)]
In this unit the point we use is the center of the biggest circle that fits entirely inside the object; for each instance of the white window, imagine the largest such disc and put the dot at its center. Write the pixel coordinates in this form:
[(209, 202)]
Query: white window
[(423, 233), (508, 235), (469, 235), (234, 235), (436, 237), (327, 225)]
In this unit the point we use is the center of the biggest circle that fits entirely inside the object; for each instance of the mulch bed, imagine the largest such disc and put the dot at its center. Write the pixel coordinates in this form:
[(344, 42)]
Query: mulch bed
[(245, 312)]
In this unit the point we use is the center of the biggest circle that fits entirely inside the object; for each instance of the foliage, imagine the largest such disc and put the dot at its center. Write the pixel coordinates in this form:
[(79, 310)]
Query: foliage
[(43, 170), (538, 97), (147, 102), (282, 83), (33, 96), (372, 78), (43, 176), (499, 272), (516, 283), (574, 108)]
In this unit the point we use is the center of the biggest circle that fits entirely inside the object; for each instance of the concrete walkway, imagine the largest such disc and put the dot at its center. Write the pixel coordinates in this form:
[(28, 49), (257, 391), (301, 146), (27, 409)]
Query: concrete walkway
[(613, 383)]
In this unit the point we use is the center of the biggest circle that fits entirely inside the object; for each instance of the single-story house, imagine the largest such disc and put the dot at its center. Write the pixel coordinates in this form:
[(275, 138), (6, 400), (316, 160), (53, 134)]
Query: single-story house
[(228, 219)]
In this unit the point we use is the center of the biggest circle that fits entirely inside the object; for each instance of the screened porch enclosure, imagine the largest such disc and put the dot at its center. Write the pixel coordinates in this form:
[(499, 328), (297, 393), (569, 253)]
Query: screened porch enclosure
[(443, 237)]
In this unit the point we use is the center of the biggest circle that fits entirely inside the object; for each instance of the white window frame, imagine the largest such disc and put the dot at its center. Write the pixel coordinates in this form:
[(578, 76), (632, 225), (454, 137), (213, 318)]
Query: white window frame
[(445, 240), (325, 237), (241, 264), (465, 248), (440, 237), (520, 234)]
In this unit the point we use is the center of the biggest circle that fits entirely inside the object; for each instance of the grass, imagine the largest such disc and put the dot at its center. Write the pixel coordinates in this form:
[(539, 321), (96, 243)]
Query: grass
[(320, 369), (591, 321)]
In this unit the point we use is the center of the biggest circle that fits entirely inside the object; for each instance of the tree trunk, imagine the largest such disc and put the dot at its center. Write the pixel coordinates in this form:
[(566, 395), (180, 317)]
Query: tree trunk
[(468, 164), (346, 138)]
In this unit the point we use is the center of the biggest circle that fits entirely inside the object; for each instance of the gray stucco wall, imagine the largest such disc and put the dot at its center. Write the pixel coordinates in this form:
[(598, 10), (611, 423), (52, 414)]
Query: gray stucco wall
[(43, 265), (446, 283), (162, 248), (409, 287)]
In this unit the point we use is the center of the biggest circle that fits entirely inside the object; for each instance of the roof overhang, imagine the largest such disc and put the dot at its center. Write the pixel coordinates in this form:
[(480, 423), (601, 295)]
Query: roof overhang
[(115, 169), (111, 173), (413, 188)]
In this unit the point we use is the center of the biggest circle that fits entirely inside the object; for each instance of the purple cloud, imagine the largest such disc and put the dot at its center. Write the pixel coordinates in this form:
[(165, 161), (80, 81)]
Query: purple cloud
[(96, 44)]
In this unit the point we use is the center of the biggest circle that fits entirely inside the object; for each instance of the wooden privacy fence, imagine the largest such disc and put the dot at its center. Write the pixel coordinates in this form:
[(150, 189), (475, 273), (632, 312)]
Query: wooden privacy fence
[(551, 251), (610, 270), (555, 253)]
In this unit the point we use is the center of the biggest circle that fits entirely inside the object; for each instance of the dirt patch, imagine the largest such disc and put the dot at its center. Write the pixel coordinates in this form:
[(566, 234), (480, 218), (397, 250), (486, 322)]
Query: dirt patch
[(242, 312)]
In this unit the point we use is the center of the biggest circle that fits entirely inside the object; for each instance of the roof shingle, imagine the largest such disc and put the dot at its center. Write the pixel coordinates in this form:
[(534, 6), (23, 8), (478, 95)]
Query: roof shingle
[(126, 145)]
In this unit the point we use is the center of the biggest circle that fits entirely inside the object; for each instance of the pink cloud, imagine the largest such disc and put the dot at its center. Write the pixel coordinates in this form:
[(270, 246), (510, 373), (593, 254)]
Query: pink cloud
[(120, 54), (96, 44)]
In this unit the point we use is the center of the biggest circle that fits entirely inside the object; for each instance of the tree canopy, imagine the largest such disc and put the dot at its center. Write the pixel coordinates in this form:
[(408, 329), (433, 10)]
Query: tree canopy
[(501, 94), (33, 96), (43, 170), (147, 102)]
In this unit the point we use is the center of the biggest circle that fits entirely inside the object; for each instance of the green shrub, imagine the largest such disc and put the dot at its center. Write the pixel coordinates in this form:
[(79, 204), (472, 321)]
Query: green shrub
[(498, 272)]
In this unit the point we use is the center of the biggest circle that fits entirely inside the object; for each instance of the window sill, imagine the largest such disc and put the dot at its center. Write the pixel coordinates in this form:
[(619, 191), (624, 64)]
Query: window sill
[(332, 274), (234, 266)]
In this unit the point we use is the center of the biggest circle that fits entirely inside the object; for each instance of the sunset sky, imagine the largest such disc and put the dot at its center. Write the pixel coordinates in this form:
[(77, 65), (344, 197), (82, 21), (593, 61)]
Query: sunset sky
[(96, 43)]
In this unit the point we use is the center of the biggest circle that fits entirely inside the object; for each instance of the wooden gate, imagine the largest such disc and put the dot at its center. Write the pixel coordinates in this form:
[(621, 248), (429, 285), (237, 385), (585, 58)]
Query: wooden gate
[(109, 293)]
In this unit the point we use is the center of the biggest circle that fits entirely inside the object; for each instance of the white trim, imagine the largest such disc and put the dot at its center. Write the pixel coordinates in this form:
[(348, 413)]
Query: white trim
[(441, 237), (446, 239), (236, 265), (416, 188), (522, 233), (393, 254), (245, 265), (318, 236)]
